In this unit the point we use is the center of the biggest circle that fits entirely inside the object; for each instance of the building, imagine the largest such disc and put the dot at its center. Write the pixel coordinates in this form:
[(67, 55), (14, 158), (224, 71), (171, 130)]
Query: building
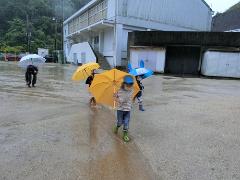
[(187, 53), (228, 20), (105, 25)]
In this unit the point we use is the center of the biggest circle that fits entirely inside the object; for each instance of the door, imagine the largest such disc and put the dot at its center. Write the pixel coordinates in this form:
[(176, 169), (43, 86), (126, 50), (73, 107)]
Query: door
[(228, 64), (232, 66), (183, 60)]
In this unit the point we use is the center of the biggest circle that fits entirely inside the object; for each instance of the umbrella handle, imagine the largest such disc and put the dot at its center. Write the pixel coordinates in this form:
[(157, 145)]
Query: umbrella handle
[(86, 72), (114, 101)]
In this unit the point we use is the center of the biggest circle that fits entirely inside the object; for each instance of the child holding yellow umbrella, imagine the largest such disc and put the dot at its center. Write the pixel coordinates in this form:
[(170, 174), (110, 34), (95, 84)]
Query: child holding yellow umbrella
[(116, 89), (86, 72), (89, 81)]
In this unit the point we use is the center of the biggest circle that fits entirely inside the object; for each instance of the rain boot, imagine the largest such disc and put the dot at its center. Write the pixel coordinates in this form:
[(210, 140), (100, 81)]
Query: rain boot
[(115, 129), (125, 136), (141, 108)]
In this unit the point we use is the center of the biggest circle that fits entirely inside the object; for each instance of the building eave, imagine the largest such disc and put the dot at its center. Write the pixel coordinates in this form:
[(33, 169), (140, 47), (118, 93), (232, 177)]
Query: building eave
[(103, 22), (82, 10), (208, 6)]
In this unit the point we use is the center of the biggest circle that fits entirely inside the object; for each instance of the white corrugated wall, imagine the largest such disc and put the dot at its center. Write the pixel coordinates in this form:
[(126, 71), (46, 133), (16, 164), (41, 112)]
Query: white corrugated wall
[(221, 64), (193, 14)]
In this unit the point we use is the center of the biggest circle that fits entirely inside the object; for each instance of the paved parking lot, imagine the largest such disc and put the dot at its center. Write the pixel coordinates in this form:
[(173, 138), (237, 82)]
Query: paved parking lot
[(190, 130)]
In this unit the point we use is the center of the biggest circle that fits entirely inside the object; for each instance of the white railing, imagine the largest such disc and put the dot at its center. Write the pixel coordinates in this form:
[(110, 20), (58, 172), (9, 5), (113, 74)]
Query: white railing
[(91, 16)]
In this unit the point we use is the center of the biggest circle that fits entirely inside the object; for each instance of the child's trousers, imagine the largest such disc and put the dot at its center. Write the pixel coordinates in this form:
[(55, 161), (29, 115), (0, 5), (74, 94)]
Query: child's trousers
[(139, 98), (123, 118)]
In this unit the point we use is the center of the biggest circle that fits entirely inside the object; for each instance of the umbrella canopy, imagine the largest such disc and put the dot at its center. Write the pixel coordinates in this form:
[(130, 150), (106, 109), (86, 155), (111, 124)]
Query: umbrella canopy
[(84, 71), (105, 85), (31, 59), (145, 73), (141, 71)]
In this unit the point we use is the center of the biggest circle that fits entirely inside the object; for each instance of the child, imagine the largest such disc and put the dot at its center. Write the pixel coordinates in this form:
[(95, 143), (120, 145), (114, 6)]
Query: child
[(89, 81), (140, 93), (124, 101)]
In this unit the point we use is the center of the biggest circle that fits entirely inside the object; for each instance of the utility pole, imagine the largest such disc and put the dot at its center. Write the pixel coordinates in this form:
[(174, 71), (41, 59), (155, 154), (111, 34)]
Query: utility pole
[(55, 34), (62, 34)]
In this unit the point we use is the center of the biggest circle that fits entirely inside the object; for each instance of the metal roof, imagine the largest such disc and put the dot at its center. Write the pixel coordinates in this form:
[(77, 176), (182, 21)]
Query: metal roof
[(93, 2)]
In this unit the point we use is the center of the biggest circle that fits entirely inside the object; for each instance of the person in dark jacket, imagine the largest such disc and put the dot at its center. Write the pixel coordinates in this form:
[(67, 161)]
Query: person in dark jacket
[(31, 75), (89, 81)]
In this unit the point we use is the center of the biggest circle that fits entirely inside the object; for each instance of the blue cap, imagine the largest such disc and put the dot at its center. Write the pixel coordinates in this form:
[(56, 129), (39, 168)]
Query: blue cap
[(128, 79)]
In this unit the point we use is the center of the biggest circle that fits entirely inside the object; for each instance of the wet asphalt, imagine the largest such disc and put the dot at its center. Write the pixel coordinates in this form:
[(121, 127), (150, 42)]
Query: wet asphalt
[(190, 130)]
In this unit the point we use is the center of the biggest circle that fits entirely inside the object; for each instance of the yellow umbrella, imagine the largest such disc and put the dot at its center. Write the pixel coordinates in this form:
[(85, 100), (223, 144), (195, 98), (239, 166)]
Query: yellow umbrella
[(105, 85), (84, 71)]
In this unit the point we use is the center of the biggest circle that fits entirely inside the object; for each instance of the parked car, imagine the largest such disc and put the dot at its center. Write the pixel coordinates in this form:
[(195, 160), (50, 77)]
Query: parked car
[(13, 57), (51, 59)]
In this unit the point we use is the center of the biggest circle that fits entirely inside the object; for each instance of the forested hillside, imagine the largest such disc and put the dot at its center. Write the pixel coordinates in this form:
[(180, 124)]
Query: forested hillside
[(37, 21), (228, 20)]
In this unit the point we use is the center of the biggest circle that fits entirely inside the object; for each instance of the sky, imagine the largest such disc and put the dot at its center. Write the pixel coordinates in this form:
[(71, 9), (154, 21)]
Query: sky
[(221, 5)]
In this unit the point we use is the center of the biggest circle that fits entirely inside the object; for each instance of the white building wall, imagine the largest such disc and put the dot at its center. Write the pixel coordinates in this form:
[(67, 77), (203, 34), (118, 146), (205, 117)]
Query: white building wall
[(108, 45), (81, 53), (108, 42)]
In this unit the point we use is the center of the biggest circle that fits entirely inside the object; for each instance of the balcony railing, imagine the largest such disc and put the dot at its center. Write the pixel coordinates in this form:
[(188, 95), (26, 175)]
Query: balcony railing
[(92, 16)]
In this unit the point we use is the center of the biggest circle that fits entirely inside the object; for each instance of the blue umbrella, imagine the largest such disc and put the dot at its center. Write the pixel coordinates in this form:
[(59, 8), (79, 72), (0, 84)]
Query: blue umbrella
[(142, 71)]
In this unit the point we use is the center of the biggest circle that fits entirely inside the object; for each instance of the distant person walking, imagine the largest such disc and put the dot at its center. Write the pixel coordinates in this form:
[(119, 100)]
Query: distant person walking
[(31, 75)]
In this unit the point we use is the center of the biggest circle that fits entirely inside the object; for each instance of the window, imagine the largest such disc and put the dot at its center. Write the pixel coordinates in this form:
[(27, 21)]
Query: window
[(92, 16)]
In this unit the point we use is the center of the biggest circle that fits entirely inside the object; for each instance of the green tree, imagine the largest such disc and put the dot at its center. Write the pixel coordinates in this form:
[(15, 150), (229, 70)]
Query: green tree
[(16, 34), (13, 22)]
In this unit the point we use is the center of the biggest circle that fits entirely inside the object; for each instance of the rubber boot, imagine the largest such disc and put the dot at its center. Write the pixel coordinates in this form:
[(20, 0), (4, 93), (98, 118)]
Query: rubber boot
[(115, 129), (141, 108), (125, 136)]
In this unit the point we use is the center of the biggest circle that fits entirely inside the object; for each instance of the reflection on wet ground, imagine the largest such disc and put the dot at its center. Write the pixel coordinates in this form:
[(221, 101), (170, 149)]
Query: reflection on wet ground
[(110, 157)]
